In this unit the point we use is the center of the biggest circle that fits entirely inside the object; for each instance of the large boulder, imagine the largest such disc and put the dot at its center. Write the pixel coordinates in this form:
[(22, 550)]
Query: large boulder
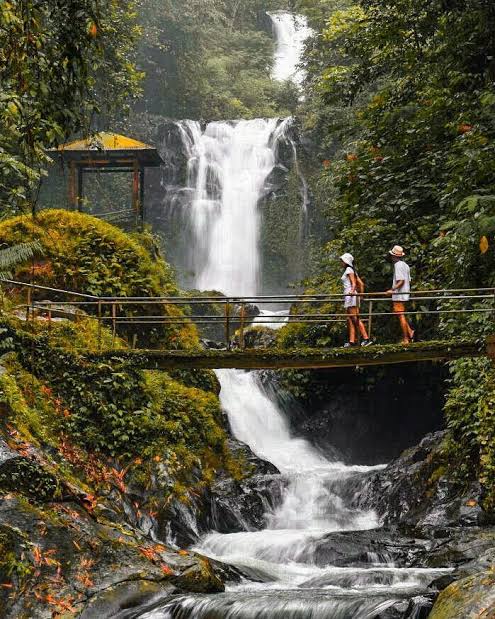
[(468, 598), (416, 490)]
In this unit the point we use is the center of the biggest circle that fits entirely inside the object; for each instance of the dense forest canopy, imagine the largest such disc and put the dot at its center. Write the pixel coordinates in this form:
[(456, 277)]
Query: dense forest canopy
[(211, 59), (401, 110)]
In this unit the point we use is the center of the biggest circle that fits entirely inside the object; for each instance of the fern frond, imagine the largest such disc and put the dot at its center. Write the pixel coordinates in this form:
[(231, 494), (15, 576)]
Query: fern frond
[(11, 257)]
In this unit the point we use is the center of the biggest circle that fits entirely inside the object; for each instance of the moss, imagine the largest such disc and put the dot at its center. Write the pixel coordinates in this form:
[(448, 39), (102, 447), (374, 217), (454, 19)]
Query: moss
[(206, 380), (470, 597), (297, 357), (84, 254), (12, 566)]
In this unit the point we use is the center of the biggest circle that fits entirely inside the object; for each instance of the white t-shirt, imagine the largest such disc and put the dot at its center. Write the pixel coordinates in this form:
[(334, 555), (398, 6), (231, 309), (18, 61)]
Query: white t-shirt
[(346, 280), (402, 272), (349, 300)]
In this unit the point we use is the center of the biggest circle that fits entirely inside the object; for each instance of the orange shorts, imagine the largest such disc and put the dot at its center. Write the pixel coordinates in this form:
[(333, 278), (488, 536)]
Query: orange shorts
[(399, 307)]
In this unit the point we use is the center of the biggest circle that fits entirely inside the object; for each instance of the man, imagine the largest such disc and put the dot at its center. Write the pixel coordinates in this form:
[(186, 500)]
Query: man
[(400, 290)]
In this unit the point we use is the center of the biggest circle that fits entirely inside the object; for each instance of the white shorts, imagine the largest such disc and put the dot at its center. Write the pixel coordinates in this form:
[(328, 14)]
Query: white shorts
[(351, 301)]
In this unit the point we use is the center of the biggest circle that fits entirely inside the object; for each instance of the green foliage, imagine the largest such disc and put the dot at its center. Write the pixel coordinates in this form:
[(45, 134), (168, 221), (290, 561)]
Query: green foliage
[(211, 59), (400, 105), (111, 409), (60, 63), (12, 257), (469, 411)]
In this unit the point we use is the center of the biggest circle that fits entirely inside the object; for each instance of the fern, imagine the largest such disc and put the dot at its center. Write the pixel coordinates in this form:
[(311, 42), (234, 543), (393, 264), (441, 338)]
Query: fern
[(10, 257)]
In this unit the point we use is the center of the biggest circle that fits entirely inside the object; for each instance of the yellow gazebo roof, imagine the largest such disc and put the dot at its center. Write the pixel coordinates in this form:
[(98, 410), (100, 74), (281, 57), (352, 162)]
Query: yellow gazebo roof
[(110, 145)]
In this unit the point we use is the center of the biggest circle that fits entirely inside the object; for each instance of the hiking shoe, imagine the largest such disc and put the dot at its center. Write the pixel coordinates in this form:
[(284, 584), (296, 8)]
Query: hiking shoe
[(350, 345), (366, 343)]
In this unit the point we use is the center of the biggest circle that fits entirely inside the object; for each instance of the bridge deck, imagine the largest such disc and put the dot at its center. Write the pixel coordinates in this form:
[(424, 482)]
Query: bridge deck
[(301, 359)]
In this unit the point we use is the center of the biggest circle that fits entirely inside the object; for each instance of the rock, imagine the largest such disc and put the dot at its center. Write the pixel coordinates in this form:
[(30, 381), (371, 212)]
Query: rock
[(473, 596), (66, 551), (414, 491), (469, 550), (125, 596), (367, 416), (25, 475), (260, 337), (236, 507), (257, 465), (360, 548)]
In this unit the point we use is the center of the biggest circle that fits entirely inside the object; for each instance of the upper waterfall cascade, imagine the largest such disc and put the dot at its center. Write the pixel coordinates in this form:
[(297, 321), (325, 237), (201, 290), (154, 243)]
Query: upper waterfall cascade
[(291, 32), (229, 164)]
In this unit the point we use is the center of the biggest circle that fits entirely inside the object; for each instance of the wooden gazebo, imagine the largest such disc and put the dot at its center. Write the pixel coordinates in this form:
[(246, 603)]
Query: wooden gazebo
[(107, 152)]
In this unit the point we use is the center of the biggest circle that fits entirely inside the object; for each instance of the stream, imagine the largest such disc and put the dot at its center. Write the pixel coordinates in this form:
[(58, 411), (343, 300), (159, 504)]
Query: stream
[(229, 164)]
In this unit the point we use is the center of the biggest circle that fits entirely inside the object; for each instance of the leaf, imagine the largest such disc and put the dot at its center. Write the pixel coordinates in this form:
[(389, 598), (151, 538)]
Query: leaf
[(484, 244)]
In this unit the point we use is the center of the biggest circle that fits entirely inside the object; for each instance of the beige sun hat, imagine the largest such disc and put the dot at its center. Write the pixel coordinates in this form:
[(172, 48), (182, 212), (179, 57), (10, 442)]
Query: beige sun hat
[(397, 251)]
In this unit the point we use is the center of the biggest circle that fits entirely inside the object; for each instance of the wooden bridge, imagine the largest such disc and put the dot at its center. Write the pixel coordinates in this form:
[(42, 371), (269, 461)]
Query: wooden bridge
[(316, 358), (124, 324)]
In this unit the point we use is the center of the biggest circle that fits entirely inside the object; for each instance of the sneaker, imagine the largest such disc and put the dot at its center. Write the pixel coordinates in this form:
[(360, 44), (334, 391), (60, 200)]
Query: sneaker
[(366, 343), (350, 345)]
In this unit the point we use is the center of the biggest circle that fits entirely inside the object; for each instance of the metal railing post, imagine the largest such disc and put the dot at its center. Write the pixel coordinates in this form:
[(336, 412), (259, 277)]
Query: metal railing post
[(227, 325), (370, 319), (99, 325), (49, 321), (114, 323), (28, 306), (242, 316)]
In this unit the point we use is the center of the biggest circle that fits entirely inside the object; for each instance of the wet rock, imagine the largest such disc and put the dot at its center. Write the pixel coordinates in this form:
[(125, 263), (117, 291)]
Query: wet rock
[(414, 491), (260, 337), (473, 549), (236, 507), (69, 558), (417, 607), (473, 596), (257, 465), (369, 416), (26, 475), (124, 597), (361, 548)]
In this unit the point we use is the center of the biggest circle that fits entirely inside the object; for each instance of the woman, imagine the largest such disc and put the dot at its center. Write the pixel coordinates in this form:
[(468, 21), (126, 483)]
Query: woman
[(355, 325)]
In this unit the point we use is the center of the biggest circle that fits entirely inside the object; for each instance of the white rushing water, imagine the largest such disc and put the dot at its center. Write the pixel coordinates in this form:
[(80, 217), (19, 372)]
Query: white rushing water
[(291, 32), (228, 167), (309, 507)]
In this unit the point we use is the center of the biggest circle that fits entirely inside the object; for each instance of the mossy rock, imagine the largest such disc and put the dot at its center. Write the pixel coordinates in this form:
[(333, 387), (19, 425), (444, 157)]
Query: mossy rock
[(467, 598), (84, 254)]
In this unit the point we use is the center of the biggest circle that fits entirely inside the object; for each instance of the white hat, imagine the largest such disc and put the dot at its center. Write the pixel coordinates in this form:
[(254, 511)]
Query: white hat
[(397, 251), (348, 259)]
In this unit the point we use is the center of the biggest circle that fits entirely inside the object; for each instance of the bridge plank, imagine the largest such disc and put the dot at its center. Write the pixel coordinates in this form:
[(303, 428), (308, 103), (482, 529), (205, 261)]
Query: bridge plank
[(296, 359)]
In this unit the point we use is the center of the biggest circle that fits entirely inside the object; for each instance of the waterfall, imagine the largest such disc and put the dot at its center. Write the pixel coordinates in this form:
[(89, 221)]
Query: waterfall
[(228, 168), (291, 32), (229, 165)]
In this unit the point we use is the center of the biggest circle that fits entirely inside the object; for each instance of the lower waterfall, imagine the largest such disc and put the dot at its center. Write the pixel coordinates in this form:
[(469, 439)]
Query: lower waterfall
[(286, 574)]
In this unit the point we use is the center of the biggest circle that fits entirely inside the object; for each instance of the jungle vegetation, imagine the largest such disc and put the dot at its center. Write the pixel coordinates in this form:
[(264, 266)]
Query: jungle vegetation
[(401, 109)]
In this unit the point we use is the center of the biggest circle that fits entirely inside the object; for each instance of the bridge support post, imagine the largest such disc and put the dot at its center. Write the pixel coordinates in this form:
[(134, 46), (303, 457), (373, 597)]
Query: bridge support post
[(242, 317), (227, 325), (114, 323), (490, 347)]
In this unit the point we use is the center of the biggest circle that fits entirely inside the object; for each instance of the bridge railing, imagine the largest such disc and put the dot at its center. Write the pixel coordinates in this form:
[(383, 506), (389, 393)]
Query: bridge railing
[(127, 316)]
